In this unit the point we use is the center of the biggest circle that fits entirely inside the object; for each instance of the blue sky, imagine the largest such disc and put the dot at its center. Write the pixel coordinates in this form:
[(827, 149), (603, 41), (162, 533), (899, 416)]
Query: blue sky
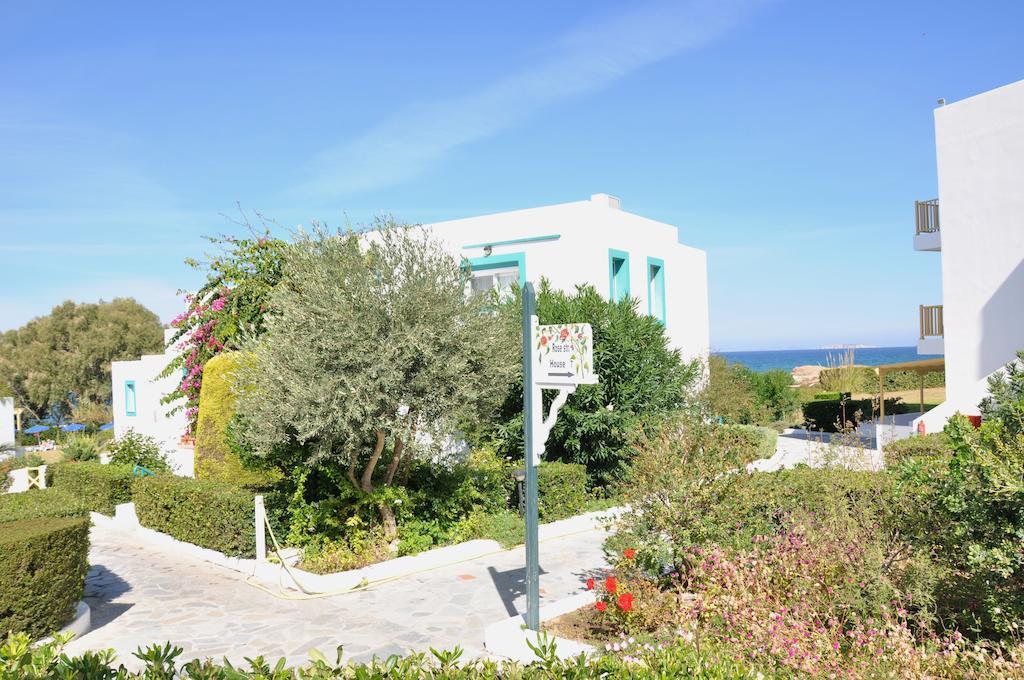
[(789, 139)]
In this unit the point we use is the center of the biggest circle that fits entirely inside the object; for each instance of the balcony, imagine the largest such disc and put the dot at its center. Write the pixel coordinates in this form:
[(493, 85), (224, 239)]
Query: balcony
[(927, 236), (932, 340)]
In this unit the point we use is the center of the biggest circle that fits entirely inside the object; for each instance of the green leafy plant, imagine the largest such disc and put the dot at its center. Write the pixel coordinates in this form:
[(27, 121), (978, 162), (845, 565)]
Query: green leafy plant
[(50, 502), (99, 487), (80, 448), (561, 490), (133, 449)]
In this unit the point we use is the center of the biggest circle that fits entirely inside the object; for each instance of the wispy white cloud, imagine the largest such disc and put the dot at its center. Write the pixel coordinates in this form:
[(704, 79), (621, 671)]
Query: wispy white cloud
[(585, 60)]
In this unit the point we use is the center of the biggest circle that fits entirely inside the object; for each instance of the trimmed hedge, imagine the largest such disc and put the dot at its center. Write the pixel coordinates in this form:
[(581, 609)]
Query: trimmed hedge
[(561, 490), (38, 503), (825, 414), (101, 487), (757, 442), (935, 445), (209, 514), (214, 458), (43, 562)]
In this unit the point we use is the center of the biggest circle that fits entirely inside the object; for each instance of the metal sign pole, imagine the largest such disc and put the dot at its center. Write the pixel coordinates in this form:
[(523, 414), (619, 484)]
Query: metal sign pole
[(532, 405)]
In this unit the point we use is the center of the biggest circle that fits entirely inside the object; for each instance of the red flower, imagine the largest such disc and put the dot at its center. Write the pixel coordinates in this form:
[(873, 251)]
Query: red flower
[(590, 584), (601, 606), (629, 553), (610, 584), (626, 602), (564, 334)]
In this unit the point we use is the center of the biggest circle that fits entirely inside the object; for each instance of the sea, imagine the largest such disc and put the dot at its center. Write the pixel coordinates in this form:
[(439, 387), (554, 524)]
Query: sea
[(788, 359)]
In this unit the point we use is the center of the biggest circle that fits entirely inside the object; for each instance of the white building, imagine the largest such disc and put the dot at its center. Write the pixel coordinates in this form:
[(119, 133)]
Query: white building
[(137, 391), (595, 242), (979, 326), (6, 420)]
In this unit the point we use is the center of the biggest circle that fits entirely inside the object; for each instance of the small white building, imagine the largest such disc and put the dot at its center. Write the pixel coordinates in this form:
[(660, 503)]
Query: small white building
[(595, 242), (6, 420), (979, 326), (137, 391)]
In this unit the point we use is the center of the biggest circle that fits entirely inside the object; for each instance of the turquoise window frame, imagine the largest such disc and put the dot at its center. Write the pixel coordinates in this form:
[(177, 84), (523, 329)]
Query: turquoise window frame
[(657, 280), (618, 281), (501, 261), (129, 389)]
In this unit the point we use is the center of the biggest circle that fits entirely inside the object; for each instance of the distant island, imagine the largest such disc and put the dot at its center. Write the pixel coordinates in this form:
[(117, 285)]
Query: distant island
[(848, 347)]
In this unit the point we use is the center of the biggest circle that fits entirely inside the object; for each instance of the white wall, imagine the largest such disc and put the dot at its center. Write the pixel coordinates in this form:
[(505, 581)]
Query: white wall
[(150, 415), (586, 231), (6, 420), (980, 154)]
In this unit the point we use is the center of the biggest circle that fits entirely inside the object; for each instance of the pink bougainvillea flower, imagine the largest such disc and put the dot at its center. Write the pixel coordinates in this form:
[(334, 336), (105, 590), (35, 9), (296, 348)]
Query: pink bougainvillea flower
[(626, 602), (601, 606), (610, 584), (590, 584)]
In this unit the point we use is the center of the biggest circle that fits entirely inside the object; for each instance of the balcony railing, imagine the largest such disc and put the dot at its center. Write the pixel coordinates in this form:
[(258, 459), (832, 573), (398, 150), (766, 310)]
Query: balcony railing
[(931, 321), (926, 216)]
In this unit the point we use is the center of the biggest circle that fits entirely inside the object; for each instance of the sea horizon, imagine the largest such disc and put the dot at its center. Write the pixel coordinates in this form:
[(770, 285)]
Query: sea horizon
[(788, 359)]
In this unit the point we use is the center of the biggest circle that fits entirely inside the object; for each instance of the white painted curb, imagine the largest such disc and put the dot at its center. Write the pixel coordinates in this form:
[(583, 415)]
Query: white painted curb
[(125, 519), (509, 637)]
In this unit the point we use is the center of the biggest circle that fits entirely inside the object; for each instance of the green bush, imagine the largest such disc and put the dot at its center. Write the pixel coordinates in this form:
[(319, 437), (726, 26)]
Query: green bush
[(209, 514), (215, 457), (642, 377), (100, 487), (505, 526), (41, 503), (835, 415), (737, 394), (827, 396), (935, 445), (43, 562), (133, 449), (756, 441), (561, 490), (80, 448)]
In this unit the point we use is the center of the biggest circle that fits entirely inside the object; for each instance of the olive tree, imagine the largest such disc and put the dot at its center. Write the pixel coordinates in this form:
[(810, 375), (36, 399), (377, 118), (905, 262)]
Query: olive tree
[(373, 353)]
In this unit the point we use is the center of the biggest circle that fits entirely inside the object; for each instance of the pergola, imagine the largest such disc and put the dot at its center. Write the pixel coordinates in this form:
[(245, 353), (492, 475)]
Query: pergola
[(922, 368)]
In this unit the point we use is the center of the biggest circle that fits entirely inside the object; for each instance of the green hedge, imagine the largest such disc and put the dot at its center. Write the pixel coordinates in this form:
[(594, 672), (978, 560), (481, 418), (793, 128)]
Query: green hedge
[(935, 445), (561, 490), (43, 562), (867, 379), (825, 414), (41, 503), (826, 396), (757, 442), (101, 487), (209, 514)]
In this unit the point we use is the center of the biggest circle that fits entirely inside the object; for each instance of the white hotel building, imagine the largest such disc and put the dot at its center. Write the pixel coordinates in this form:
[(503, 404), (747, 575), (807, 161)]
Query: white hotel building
[(592, 241), (979, 326)]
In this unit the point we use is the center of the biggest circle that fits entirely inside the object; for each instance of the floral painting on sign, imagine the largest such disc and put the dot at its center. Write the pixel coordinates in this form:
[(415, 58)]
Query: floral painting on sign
[(565, 352)]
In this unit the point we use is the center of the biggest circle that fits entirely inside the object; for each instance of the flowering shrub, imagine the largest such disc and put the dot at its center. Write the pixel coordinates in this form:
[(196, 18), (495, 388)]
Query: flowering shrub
[(230, 306)]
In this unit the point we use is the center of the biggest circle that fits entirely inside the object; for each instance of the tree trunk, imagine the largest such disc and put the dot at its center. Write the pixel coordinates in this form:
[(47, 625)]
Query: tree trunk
[(366, 483), (387, 515)]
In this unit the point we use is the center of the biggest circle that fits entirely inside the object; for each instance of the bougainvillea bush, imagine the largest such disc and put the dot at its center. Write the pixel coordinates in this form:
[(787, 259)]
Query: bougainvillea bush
[(231, 307)]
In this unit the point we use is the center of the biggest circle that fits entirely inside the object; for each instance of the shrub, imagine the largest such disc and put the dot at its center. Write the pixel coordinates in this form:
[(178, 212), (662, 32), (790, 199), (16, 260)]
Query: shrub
[(642, 378), (41, 503), (43, 563), (215, 454), (561, 490), (100, 487), (842, 414), (935, 445), (209, 514), (754, 441), (133, 449), (506, 527), (80, 448), (736, 394), (827, 396)]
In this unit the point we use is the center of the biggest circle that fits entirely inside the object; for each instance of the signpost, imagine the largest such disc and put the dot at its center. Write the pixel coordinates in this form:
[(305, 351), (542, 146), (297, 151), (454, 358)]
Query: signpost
[(558, 357)]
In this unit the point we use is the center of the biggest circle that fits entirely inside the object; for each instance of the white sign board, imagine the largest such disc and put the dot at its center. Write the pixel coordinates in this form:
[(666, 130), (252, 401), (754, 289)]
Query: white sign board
[(564, 354)]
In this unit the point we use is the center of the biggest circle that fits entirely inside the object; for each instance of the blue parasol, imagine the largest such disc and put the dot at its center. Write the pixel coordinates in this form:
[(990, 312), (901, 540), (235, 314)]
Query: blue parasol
[(107, 426), (73, 427), (36, 429)]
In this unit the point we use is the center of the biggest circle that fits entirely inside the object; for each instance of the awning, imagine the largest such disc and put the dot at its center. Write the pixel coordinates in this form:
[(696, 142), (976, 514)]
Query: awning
[(922, 367)]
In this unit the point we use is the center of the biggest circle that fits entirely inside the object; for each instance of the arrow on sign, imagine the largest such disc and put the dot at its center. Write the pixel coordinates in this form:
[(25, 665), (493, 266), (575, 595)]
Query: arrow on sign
[(562, 375)]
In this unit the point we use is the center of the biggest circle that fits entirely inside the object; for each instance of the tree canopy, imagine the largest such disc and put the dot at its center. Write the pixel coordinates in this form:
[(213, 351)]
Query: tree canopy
[(57, 361), (372, 352)]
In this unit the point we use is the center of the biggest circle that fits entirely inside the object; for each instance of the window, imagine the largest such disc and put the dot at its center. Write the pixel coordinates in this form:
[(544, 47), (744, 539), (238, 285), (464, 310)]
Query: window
[(656, 288), (129, 397), (618, 275), (497, 272)]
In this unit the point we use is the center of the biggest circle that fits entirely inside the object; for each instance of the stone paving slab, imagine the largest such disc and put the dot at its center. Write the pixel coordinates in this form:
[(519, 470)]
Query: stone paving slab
[(139, 595)]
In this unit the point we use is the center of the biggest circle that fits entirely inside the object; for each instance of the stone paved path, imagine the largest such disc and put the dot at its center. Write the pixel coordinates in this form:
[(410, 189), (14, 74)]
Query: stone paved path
[(139, 595)]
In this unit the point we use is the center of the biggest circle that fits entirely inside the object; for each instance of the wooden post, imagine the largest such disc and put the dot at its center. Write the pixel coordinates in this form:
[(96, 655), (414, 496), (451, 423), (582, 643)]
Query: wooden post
[(881, 395), (922, 391)]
